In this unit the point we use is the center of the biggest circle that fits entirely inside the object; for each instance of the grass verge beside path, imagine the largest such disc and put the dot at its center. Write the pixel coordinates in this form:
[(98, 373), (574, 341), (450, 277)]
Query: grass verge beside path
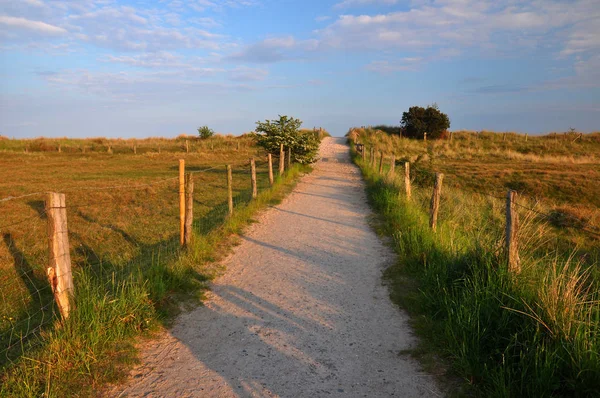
[(115, 304), (532, 335)]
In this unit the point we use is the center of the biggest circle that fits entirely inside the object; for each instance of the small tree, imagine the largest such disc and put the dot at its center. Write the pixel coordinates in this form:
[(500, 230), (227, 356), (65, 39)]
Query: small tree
[(205, 132), (418, 121), (270, 134)]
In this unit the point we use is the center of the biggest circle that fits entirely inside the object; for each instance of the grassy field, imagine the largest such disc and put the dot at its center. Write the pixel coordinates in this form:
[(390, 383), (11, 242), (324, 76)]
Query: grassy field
[(130, 275), (535, 334)]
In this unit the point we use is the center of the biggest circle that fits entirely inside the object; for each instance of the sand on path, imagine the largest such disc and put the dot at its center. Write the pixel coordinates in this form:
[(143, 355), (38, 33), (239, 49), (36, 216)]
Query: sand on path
[(300, 312)]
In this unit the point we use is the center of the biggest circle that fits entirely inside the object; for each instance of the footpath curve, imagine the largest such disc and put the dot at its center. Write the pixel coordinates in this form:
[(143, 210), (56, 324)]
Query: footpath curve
[(300, 312)]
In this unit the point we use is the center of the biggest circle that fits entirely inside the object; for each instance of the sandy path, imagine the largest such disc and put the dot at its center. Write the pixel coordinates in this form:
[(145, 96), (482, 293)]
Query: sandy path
[(301, 311)]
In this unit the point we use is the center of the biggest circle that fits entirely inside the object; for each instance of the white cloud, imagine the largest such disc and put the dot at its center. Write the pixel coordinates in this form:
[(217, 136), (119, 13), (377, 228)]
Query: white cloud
[(389, 67), (274, 49), (27, 24), (360, 3), (322, 18)]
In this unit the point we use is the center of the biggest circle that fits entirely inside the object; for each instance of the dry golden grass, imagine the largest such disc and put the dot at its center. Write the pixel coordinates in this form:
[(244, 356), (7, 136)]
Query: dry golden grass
[(122, 207)]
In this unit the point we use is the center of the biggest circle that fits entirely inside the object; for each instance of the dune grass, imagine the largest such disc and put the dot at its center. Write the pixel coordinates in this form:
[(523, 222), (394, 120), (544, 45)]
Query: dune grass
[(130, 275), (535, 334)]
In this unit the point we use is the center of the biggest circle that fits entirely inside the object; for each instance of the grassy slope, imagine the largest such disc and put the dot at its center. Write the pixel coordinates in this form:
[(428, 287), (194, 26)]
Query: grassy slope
[(129, 273), (536, 334)]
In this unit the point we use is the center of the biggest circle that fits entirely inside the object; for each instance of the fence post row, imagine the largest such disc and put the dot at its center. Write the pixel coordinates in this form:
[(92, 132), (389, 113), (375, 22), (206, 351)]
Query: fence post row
[(181, 201), (253, 178), (59, 264), (392, 167), (512, 231), (229, 189), (281, 160), (435, 201), (270, 157), (189, 208), (407, 180)]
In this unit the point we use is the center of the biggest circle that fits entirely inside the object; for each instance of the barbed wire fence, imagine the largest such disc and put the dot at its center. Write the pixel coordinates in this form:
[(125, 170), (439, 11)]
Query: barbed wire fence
[(108, 228)]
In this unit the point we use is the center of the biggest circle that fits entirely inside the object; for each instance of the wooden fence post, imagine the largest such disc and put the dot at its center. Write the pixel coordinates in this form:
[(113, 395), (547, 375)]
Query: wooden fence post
[(451, 136), (372, 158), (59, 265), (238, 146), (407, 180), (181, 202), (229, 189), (135, 149), (281, 160), (189, 208), (525, 137), (380, 162), (364, 152), (392, 167), (253, 178), (289, 158), (425, 137), (187, 146), (512, 233), (159, 149), (59, 148), (270, 157), (435, 201)]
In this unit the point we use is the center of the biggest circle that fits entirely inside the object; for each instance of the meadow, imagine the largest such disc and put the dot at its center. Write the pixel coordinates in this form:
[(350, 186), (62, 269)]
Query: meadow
[(501, 334), (130, 274)]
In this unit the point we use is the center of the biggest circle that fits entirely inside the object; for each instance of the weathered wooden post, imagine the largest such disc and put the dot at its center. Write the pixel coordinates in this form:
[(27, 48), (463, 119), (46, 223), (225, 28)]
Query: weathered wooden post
[(425, 137), (364, 152), (189, 208), (59, 148), (187, 146), (59, 264), (229, 189), (372, 159), (503, 136), (380, 163), (451, 136), (110, 151), (271, 180), (526, 137), (253, 178), (159, 148), (281, 160), (181, 201), (289, 158), (135, 149), (238, 146), (512, 233), (435, 201), (407, 180), (392, 167)]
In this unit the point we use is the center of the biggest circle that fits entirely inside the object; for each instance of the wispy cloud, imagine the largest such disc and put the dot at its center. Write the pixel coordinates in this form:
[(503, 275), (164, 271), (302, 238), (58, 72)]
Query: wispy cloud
[(31, 26), (361, 3)]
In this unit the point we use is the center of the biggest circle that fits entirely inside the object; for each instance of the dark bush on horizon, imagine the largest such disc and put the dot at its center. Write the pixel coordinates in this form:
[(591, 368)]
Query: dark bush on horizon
[(418, 121)]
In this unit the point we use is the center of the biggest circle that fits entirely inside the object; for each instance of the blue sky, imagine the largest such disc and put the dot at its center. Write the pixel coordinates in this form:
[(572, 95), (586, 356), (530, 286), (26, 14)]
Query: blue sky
[(160, 68)]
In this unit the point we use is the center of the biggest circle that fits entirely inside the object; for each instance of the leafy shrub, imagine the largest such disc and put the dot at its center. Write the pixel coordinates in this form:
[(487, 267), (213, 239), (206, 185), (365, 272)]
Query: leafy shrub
[(418, 121), (270, 134), (205, 132)]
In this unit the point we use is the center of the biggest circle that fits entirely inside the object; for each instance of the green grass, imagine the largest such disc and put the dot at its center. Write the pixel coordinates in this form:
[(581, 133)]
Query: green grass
[(536, 334), (130, 275)]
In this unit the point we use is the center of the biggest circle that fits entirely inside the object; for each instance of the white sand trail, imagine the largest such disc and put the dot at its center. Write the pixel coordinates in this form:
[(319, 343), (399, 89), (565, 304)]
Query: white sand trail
[(300, 312)]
